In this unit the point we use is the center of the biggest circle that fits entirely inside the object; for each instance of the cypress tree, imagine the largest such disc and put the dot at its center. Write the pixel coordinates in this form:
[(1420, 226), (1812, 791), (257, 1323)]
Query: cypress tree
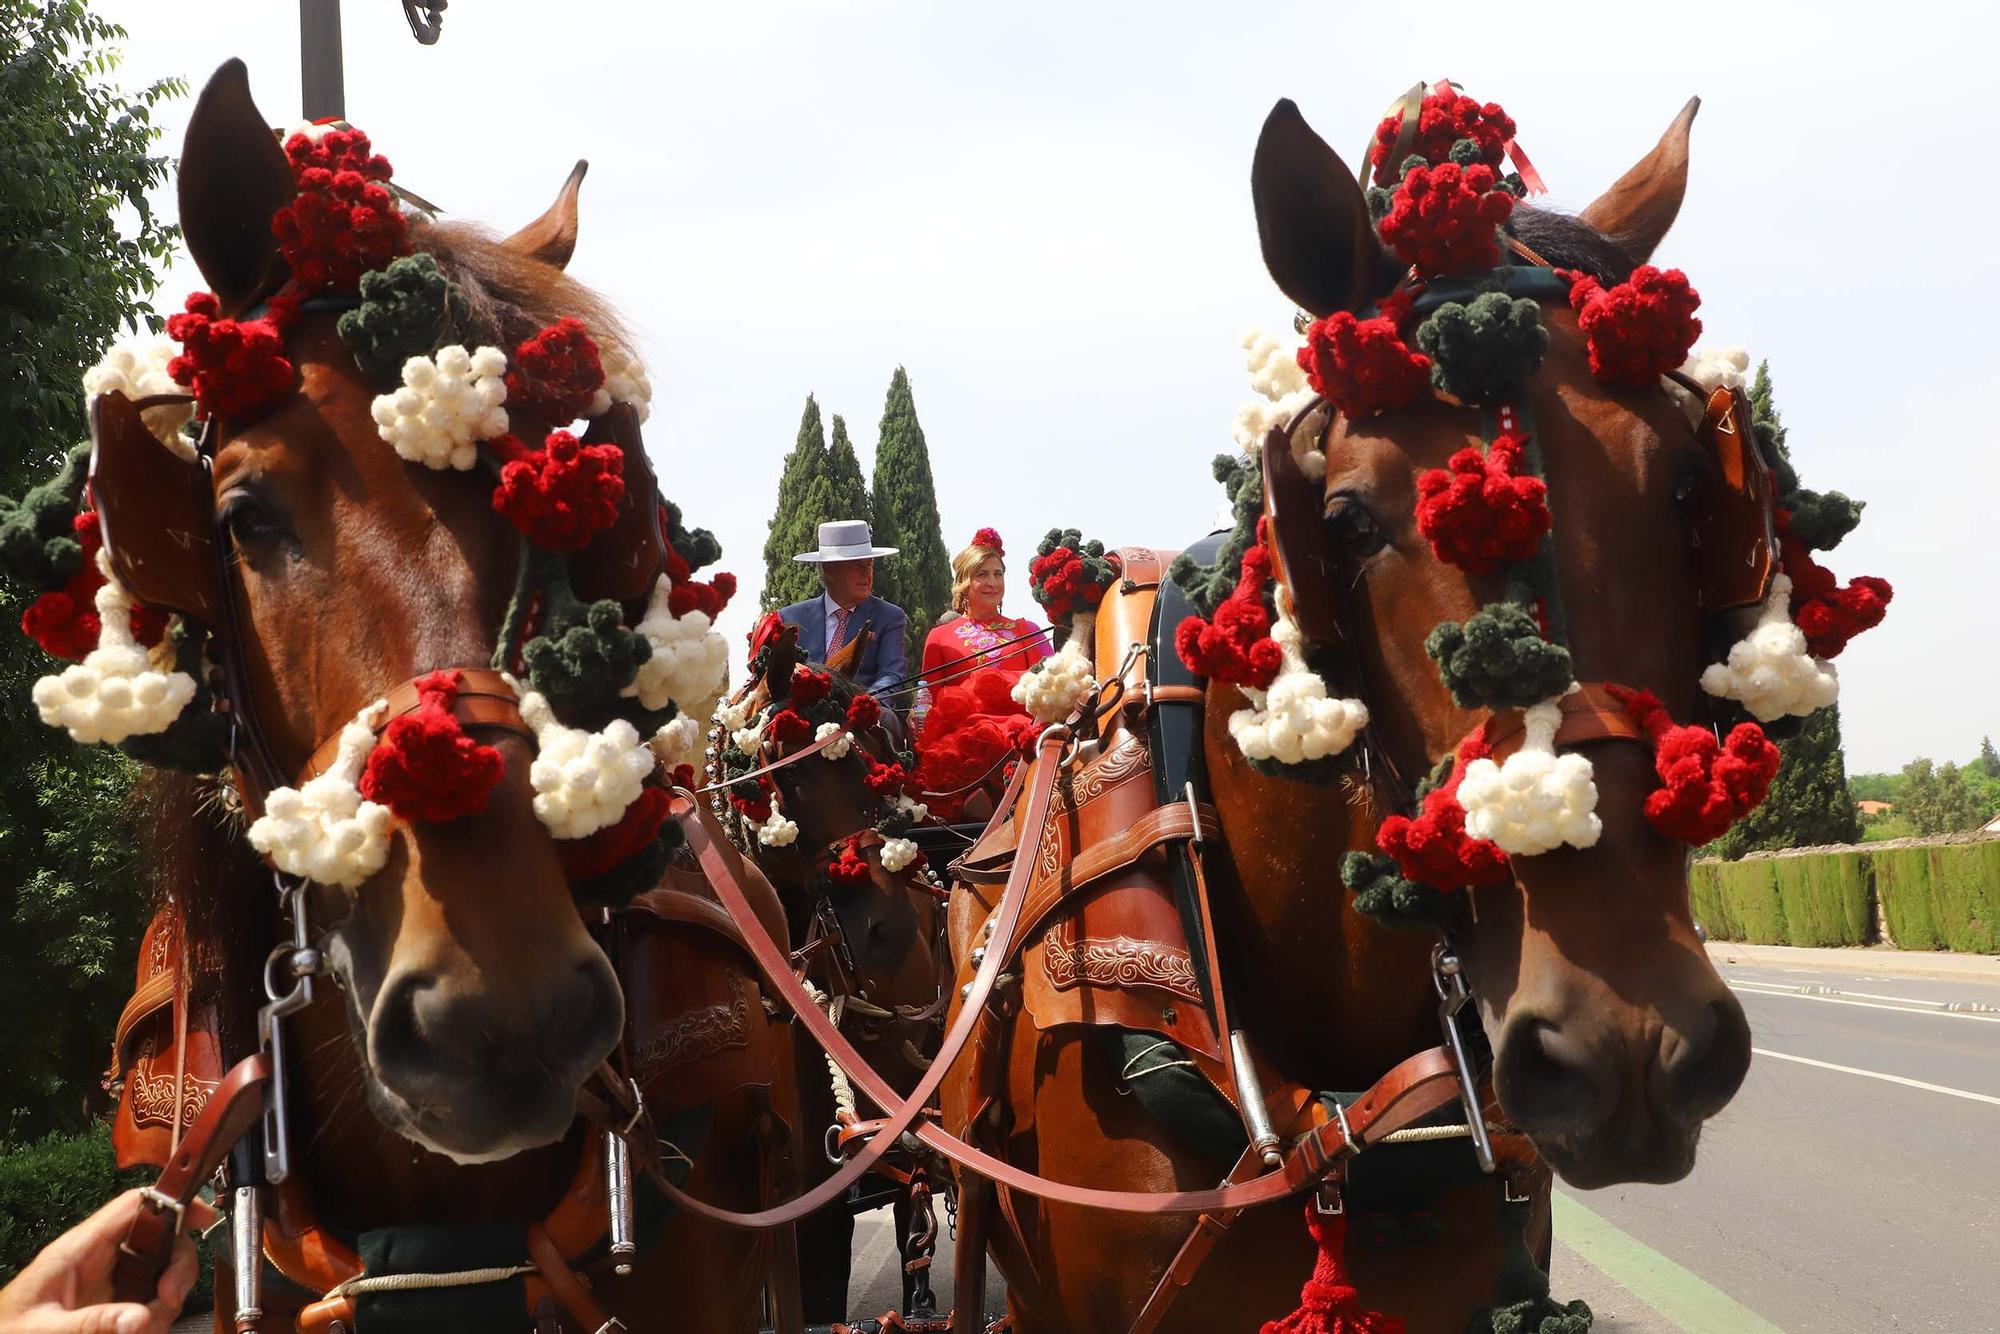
[(1809, 803), (848, 488), (802, 492), (906, 517)]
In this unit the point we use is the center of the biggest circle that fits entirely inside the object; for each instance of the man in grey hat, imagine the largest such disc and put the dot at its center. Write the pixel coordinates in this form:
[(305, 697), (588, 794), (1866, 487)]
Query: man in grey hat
[(846, 560)]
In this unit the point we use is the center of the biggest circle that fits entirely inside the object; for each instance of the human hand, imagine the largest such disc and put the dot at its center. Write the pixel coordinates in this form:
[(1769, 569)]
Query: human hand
[(67, 1288)]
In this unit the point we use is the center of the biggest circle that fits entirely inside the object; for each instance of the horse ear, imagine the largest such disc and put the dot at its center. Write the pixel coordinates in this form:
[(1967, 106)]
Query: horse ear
[(551, 238), (778, 667), (1312, 219), (1639, 208), (847, 657), (233, 177)]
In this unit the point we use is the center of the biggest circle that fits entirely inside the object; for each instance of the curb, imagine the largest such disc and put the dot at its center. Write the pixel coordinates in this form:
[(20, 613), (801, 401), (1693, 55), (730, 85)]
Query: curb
[(1863, 959)]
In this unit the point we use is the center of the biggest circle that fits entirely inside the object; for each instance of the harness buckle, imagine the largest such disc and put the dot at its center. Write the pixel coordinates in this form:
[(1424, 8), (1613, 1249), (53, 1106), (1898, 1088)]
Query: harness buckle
[(166, 1204), (1448, 977)]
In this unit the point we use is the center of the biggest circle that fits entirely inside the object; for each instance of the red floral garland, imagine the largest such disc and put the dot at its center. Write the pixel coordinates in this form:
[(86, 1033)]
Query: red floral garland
[(1641, 328), (1434, 849), (562, 495), (1446, 219), (555, 373), (236, 369), (426, 767), (1363, 366), (344, 221), (1479, 512), (1826, 612), (1706, 787), (1236, 646)]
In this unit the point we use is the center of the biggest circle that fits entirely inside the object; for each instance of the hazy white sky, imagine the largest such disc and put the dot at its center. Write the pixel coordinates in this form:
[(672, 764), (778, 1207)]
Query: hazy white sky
[(1043, 212)]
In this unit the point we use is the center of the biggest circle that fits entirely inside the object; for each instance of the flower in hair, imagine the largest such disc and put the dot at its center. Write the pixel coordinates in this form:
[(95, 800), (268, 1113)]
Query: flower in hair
[(989, 537)]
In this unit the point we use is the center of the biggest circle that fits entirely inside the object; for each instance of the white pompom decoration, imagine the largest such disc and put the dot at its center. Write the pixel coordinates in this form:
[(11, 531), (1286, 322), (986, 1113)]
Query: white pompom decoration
[(116, 691), (903, 805), (1281, 392), (447, 405), (137, 368), (838, 750), (624, 382), (678, 741), (1714, 368), (777, 832), (897, 853), (1537, 800), (327, 831), (690, 658), (1294, 720), (1768, 671), (1057, 686), (583, 781), (732, 716)]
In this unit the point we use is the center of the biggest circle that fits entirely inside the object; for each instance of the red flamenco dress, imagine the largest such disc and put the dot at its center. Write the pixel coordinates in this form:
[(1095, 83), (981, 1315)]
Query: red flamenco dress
[(973, 723)]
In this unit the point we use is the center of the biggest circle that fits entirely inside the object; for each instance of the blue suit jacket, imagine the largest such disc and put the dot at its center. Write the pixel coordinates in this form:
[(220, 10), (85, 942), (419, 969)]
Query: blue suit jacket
[(882, 662)]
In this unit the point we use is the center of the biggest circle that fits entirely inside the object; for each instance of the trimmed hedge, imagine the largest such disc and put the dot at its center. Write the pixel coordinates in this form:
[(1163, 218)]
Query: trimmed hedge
[(51, 1184), (1943, 895)]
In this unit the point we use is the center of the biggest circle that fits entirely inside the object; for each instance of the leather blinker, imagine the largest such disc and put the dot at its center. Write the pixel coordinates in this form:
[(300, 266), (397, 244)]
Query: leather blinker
[(156, 511), (1294, 535), (623, 559), (1736, 545)]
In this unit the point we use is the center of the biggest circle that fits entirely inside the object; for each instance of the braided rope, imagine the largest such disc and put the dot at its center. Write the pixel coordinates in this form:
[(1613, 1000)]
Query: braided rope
[(361, 1284)]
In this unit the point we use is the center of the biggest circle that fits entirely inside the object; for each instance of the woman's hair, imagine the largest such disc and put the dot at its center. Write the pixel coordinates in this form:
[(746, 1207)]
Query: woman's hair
[(985, 543)]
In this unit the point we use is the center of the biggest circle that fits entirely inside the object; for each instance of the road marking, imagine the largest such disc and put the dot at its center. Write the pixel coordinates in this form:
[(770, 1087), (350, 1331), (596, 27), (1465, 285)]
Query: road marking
[(1908, 1007), (1877, 1074), (1687, 1300)]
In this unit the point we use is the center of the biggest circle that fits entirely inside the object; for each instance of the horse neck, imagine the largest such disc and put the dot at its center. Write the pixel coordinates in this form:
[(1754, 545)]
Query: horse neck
[(1330, 997)]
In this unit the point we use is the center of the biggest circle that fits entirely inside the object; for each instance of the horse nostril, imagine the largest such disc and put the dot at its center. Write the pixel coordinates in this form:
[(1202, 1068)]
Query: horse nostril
[(1701, 1068), (1547, 1083)]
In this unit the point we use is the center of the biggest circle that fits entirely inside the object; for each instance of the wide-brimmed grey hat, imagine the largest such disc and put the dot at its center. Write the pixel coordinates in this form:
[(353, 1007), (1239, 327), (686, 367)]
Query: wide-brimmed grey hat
[(845, 539)]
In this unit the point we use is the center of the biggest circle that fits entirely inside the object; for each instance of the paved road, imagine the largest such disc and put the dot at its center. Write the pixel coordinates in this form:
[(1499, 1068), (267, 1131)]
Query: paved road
[(1853, 1185)]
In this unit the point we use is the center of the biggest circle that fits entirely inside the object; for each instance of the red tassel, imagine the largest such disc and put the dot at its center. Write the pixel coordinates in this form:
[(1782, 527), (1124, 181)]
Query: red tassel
[(1826, 612), (1328, 1304), (237, 369), (1236, 646), (426, 767), (1705, 787), (850, 870)]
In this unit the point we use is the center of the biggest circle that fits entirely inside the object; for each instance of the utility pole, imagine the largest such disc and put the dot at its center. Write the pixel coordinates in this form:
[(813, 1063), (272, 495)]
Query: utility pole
[(321, 79)]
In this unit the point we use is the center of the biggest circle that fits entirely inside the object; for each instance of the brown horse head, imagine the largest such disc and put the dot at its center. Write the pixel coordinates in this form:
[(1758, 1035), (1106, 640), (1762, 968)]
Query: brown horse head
[(478, 1002), (1613, 1037)]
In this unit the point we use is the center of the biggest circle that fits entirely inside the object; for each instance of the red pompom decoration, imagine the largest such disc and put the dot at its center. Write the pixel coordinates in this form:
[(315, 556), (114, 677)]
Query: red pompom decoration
[(1479, 512), (757, 808), (1447, 219), (561, 495), (809, 687), (863, 712), (850, 870), (788, 728), (1705, 787), (344, 221), (1236, 646), (1062, 582), (709, 598), (1826, 613), (1329, 1304), (886, 779), (1434, 848), (989, 537), (1364, 366), (1445, 117), (555, 373), (426, 767), (236, 369), (593, 855), (64, 620), (1640, 329)]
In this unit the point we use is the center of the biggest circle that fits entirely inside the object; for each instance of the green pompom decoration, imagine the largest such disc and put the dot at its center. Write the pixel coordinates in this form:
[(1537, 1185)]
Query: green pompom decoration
[(1484, 350), (1465, 152), (409, 309), (38, 545), (1524, 1305), (1820, 519), (1381, 893), (1208, 586), (1498, 659), (1534, 1315), (587, 662), (696, 546)]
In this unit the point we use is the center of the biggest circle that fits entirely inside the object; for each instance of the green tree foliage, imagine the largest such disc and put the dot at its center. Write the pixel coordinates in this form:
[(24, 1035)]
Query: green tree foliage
[(1937, 798), (1875, 787), (74, 152), (906, 517), (803, 492), (1809, 803), (1989, 759), (847, 489)]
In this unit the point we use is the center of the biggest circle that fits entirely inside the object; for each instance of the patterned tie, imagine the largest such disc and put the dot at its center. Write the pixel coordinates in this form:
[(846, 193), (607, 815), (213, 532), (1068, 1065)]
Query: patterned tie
[(839, 629)]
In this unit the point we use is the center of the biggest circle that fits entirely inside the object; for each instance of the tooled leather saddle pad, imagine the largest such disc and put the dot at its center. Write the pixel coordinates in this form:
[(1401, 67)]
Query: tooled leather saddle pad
[(1106, 942)]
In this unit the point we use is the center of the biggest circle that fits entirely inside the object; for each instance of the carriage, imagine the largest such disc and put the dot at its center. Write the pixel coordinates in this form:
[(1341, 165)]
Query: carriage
[(1323, 882)]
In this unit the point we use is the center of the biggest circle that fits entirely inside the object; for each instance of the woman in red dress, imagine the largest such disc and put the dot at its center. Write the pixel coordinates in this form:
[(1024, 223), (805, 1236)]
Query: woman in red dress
[(966, 717)]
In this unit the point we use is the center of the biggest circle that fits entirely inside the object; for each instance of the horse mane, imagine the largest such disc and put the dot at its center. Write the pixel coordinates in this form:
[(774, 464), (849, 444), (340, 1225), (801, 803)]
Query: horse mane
[(195, 851), (1571, 243), (510, 295)]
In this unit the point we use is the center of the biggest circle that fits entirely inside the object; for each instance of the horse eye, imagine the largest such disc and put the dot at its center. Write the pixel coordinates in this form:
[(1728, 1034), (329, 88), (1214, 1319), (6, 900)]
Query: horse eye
[(249, 521), (1352, 525)]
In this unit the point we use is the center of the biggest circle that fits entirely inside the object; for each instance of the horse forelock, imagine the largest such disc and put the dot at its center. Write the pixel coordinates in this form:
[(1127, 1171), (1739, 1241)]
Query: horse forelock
[(510, 295)]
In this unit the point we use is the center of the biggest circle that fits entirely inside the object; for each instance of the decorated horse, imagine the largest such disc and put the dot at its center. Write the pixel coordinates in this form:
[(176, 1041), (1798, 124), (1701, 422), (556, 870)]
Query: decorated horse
[(439, 660), (814, 788), (1513, 583)]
